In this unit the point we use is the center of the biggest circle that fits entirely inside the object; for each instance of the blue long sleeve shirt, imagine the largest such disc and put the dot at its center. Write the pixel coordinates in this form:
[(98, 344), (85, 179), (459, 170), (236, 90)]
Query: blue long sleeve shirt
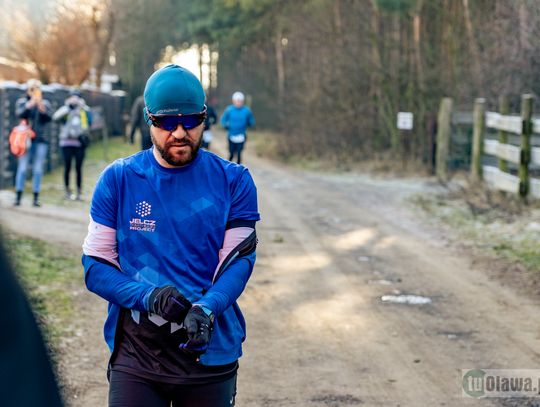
[(170, 225), (237, 119)]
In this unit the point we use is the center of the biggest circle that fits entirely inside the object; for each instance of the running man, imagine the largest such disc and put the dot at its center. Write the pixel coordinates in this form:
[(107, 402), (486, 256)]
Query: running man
[(171, 245), (236, 119)]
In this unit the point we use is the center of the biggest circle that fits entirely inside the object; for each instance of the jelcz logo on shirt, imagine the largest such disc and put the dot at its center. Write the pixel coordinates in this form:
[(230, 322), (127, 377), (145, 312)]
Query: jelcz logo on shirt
[(143, 209), (141, 225)]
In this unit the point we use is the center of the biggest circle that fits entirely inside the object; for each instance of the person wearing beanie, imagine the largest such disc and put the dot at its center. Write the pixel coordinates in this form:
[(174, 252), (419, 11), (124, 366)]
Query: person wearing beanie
[(37, 112), (171, 245), (236, 119)]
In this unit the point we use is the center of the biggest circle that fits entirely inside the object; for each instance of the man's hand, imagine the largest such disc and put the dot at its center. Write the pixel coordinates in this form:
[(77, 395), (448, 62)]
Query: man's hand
[(169, 303), (199, 327)]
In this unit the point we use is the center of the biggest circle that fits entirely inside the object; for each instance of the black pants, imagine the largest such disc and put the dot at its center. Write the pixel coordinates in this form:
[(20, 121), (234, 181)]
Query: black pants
[(127, 390), (69, 153), (236, 149)]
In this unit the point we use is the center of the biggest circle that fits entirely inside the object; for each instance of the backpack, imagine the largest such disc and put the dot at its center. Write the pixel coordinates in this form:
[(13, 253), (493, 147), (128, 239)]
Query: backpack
[(20, 138), (73, 127)]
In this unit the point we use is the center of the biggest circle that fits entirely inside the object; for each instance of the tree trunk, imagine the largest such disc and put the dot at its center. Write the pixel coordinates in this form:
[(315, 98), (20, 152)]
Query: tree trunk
[(445, 53), (417, 25), (102, 39), (524, 29), (376, 77), (473, 46), (201, 63), (338, 24), (43, 73), (280, 66), (421, 94), (394, 92)]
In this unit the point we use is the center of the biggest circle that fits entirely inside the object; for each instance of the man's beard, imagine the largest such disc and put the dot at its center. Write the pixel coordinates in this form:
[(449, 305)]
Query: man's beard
[(175, 159)]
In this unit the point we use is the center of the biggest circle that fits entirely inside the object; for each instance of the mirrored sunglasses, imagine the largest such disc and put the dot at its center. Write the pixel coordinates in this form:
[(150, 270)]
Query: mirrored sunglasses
[(171, 122)]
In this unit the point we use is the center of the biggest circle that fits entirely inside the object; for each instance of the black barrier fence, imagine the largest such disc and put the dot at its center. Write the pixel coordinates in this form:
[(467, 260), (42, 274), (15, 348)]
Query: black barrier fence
[(108, 111)]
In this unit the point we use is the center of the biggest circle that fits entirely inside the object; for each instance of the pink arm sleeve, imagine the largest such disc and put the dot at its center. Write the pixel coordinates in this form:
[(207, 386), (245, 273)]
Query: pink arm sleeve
[(233, 237), (101, 242)]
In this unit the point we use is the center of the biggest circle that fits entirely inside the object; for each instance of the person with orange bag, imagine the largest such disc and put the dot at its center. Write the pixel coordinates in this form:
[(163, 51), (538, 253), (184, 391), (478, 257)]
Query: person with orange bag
[(37, 112)]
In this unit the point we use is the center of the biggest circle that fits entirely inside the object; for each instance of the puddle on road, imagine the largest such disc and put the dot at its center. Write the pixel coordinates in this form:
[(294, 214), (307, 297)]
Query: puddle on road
[(381, 282), (407, 299), (456, 334)]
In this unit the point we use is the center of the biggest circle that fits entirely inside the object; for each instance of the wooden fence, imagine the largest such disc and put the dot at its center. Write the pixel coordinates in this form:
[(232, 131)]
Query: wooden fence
[(512, 174)]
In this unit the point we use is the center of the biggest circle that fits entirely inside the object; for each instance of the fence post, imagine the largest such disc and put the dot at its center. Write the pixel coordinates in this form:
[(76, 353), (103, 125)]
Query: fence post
[(503, 135), (479, 118), (443, 138), (526, 131)]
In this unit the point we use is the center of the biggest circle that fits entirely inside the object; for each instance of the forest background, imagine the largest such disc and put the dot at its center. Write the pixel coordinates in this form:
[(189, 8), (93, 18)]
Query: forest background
[(328, 76)]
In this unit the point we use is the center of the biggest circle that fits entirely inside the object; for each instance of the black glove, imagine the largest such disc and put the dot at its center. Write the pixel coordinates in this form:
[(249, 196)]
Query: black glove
[(167, 302), (199, 327)]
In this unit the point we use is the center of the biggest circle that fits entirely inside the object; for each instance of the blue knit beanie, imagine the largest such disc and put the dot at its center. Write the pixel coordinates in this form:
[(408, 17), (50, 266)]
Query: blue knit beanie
[(173, 90)]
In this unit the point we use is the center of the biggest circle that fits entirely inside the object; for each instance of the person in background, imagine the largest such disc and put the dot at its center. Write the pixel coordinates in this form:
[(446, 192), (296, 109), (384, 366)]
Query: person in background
[(137, 122), (236, 119), (26, 375), (209, 120), (171, 246), (37, 112), (76, 119)]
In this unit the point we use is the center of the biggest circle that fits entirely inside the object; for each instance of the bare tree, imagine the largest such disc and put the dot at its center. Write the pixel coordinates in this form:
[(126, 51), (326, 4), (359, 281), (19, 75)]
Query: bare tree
[(64, 45), (102, 19)]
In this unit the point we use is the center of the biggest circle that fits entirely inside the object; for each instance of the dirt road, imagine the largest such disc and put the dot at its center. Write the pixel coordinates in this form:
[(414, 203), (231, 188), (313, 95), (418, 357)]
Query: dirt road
[(318, 333)]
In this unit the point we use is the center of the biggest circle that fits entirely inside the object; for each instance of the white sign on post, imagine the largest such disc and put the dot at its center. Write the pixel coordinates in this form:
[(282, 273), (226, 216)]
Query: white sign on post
[(404, 121)]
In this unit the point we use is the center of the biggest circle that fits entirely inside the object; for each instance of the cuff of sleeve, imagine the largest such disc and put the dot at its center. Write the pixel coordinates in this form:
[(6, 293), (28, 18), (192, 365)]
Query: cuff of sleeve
[(213, 301), (206, 310), (146, 298), (103, 221)]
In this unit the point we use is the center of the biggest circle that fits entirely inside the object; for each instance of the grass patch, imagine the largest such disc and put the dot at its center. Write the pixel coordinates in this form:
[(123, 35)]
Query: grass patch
[(526, 253), (48, 274), (264, 143), (488, 219), (267, 144)]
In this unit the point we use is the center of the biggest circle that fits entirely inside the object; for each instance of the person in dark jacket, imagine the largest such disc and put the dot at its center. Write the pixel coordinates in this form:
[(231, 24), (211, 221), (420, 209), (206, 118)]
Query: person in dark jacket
[(37, 111), (211, 118), (137, 121)]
